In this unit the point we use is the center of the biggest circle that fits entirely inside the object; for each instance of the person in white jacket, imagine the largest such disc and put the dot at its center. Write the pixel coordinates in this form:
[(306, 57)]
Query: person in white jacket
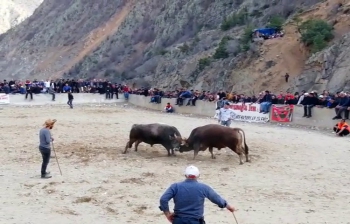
[(226, 115)]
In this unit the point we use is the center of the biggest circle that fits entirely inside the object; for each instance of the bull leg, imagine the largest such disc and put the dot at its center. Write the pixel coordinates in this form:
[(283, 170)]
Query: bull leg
[(172, 152), (128, 145), (137, 144), (211, 152), (240, 158), (197, 148), (247, 158), (169, 148), (239, 153)]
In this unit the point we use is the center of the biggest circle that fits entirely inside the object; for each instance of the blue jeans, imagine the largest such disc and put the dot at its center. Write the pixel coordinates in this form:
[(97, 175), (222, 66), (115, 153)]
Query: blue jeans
[(126, 95), (226, 123), (169, 110), (265, 107), (179, 220)]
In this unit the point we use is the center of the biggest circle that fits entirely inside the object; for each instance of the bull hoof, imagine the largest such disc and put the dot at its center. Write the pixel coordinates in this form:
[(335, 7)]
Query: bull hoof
[(249, 161), (173, 155), (213, 157), (241, 163), (123, 152)]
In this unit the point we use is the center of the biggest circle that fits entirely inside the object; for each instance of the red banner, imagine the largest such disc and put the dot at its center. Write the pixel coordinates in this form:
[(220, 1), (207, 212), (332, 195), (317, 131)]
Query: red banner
[(282, 113)]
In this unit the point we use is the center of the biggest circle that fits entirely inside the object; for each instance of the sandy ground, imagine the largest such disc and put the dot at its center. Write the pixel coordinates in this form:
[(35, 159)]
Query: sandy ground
[(296, 176)]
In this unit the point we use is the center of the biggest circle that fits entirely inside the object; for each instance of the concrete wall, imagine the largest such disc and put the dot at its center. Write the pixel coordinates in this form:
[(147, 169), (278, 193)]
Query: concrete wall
[(201, 108), (61, 98), (321, 117)]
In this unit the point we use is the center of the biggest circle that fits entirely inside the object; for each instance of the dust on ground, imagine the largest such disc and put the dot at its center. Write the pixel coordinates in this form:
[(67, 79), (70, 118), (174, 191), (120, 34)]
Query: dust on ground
[(296, 175)]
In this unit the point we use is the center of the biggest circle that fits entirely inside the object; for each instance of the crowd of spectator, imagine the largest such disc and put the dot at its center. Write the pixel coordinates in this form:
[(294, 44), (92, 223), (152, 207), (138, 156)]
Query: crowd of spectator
[(59, 86), (339, 101)]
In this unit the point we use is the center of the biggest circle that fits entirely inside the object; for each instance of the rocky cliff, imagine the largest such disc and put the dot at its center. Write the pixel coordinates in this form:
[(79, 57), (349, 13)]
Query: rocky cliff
[(13, 12), (171, 43)]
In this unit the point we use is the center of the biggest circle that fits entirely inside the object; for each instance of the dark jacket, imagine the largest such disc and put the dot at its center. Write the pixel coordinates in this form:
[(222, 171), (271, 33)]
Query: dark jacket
[(344, 101), (308, 100), (267, 98)]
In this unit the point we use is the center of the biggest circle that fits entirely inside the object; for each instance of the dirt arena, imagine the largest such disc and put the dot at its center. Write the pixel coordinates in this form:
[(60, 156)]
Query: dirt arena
[(296, 176)]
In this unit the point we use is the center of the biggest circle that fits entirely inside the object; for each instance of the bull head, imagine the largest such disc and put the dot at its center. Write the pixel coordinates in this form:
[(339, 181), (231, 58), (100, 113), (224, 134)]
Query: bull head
[(176, 141), (184, 142), (184, 147)]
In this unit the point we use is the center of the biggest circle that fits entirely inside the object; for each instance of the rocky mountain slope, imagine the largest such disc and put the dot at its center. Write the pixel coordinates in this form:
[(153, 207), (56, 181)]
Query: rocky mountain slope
[(13, 12), (171, 43)]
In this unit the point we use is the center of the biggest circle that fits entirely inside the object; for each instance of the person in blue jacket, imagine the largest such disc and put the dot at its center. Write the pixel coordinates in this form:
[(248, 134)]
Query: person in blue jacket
[(189, 196), (67, 88)]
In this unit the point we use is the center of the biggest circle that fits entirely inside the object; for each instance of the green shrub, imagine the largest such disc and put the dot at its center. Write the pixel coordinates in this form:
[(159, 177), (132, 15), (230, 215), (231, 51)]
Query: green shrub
[(221, 51), (236, 19), (276, 22), (246, 38), (203, 62), (315, 33), (184, 48)]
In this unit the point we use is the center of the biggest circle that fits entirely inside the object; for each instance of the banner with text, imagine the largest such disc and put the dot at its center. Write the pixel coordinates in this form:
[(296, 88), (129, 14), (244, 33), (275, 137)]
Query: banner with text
[(247, 112), (282, 113), (4, 98)]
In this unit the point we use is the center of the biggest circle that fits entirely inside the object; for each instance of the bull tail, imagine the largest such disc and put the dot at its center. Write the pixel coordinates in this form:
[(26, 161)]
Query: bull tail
[(246, 149)]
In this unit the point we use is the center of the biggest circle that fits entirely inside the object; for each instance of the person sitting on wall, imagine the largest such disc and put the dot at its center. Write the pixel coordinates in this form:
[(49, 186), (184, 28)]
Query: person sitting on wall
[(179, 101), (289, 98), (342, 106), (274, 100), (309, 102), (322, 102), (182, 96), (168, 108), (331, 103), (193, 99), (156, 98), (266, 103), (342, 128)]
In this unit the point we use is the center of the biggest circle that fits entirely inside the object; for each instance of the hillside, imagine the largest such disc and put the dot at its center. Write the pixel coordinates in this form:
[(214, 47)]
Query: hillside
[(170, 43), (13, 12)]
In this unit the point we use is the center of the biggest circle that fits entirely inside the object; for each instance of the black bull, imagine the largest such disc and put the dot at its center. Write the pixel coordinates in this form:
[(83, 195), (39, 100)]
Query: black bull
[(165, 135), (216, 136)]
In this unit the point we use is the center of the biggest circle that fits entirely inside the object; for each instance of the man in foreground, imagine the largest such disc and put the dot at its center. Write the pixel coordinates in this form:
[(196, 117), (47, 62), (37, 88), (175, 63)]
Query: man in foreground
[(45, 146), (189, 196)]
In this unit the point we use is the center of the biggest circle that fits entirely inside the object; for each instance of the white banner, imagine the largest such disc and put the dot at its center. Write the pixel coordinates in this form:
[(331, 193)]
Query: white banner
[(248, 112), (4, 98)]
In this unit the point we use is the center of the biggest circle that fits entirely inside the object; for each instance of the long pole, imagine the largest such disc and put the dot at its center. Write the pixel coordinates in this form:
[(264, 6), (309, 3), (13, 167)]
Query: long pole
[(235, 217), (56, 159)]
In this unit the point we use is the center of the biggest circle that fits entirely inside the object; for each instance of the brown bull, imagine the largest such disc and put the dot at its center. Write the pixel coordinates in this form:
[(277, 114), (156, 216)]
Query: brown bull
[(216, 136)]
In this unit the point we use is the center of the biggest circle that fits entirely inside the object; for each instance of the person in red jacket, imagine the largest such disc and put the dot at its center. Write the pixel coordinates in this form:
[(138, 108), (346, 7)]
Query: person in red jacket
[(168, 108), (126, 90)]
